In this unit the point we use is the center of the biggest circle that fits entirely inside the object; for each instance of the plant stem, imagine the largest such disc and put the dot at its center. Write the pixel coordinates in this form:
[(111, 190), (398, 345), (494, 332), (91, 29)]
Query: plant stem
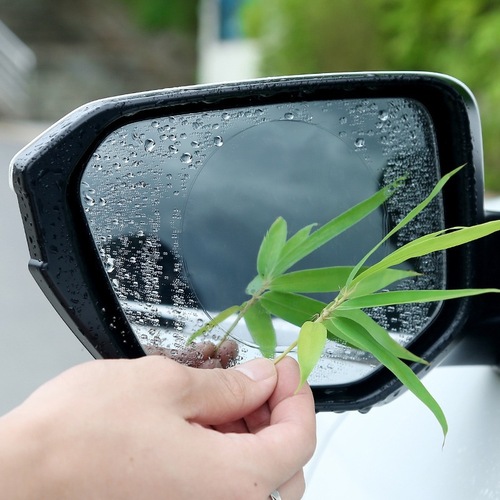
[(255, 297), (286, 352)]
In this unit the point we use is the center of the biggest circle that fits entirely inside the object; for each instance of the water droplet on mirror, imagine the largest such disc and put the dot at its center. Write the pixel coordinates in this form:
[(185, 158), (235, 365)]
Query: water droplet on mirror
[(383, 115), (289, 116), (225, 116), (109, 265), (359, 142), (149, 145), (195, 144), (89, 200), (186, 158), (218, 141)]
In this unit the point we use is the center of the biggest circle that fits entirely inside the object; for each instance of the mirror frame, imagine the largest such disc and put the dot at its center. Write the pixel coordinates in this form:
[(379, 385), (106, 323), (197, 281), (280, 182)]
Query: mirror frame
[(67, 268)]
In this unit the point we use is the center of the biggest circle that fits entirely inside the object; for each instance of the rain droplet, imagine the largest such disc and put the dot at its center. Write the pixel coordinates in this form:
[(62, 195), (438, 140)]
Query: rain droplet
[(360, 142), (225, 116), (218, 141), (173, 149), (89, 200), (289, 116), (149, 145), (186, 158), (109, 265), (383, 115), (195, 144)]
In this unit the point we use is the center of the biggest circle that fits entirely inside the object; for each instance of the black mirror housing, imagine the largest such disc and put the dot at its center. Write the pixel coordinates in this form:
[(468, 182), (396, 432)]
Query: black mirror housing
[(66, 263)]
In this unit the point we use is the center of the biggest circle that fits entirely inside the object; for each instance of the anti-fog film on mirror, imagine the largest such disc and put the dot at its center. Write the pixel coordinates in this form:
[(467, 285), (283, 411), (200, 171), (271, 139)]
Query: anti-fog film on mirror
[(178, 206)]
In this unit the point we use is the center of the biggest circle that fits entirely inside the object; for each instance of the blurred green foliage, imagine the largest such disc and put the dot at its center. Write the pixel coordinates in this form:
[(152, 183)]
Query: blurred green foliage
[(459, 37), (180, 15)]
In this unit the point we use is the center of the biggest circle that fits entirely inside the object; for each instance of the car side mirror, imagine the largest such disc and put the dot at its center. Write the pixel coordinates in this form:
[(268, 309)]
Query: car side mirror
[(144, 213)]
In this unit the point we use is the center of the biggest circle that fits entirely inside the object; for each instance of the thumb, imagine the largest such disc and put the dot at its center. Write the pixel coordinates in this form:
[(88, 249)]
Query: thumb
[(219, 396)]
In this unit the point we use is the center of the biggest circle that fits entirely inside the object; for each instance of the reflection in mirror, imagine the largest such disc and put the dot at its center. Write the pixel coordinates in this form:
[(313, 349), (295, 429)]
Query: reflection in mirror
[(178, 206)]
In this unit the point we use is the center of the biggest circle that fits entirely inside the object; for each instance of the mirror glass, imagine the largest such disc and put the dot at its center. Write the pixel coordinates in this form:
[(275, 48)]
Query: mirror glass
[(178, 205)]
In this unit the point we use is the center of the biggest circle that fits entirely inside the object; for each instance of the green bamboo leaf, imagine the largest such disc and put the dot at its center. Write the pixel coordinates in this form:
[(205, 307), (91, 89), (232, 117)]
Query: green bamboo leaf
[(325, 279), (310, 345), (403, 372), (297, 239), (446, 239), (380, 280), (223, 315), (291, 307), (434, 242), (255, 285), (271, 246), (409, 217), (411, 296), (379, 334), (333, 228), (336, 333), (260, 326)]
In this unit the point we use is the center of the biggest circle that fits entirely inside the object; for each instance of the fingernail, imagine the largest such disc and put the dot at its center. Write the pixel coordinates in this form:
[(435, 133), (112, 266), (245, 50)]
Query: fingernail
[(257, 369)]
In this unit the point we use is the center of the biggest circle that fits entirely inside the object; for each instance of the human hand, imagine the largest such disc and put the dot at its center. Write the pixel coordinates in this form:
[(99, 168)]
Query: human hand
[(152, 428)]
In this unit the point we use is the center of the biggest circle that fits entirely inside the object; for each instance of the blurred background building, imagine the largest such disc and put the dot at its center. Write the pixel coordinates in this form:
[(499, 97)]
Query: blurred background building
[(88, 49), (225, 52)]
